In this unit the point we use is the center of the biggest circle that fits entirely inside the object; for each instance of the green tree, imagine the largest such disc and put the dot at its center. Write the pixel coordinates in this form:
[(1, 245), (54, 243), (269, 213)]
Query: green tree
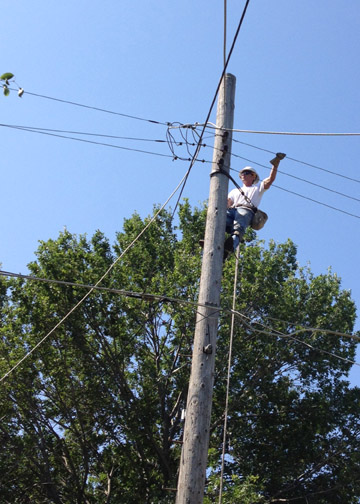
[(7, 78), (293, 420), (93, 415)]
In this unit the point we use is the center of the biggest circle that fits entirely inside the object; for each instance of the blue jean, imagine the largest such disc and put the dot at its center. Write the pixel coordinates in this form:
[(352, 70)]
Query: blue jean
[(237, 220)]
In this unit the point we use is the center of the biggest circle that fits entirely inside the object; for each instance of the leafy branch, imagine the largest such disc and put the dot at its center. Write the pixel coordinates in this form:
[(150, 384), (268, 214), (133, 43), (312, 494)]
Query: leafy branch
[(7, 78)]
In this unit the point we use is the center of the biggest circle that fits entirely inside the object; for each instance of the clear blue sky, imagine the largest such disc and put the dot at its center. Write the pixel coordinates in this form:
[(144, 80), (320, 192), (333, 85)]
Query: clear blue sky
[(297, 69)]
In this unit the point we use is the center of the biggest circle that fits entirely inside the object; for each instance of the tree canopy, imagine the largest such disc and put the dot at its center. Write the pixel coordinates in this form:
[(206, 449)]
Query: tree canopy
[(94, 414)]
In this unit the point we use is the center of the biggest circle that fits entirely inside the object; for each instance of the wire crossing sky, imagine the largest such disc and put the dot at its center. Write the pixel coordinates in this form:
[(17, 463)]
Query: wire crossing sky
[(127, 70)]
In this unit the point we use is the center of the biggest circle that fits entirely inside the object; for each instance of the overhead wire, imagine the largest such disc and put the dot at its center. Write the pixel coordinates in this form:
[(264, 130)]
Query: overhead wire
[(162, 298), (132, 294), (84, 133), (315, 330), (22, 128), (271, 332), (332, 207), (194, 159), (351, 214), (170, 140), (175, 156), (226, 410), (342, 175), (214, 99), (268, 332), (198, 124), (291, 133), (289, 158), (306, 181), (32, 350), (225, 31), (317, 202), (299, 178), (173, 143), (129, 116)]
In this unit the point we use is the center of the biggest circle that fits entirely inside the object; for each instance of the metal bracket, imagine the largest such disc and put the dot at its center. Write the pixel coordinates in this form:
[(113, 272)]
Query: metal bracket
[(208, 349)]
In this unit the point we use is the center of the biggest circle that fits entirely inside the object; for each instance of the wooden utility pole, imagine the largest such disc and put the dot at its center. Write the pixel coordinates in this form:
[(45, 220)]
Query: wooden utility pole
[(193, 463)]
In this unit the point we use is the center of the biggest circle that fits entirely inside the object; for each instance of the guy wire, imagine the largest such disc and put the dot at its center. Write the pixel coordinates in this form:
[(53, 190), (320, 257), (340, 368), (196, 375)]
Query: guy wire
[(228, 373)]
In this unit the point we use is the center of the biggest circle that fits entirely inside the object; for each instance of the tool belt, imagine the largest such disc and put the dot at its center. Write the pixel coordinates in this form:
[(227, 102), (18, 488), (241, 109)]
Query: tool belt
[(249, 207), (259, 219)]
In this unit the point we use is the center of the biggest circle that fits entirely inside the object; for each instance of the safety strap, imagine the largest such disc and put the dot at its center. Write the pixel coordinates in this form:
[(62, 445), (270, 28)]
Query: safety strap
[(253, 207)]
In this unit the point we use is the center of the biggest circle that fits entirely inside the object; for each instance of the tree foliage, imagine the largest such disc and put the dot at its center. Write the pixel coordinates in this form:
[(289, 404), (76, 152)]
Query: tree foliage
[(8, 77), (94, 415)]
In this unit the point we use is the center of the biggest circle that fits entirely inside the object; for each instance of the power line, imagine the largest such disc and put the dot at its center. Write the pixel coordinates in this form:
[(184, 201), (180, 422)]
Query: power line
[(301, 162), (225, 31), (306, 197), (290, 175), (145, 296), (211, 125), (315, 329), (165, 298), (132, 294), (170, 140), (52, 132), (172, 143), (214, 99), (22, 128), (95, 108), (301, 179), (46, 131), (342, 175), (84, 133), (231, 340), (96, 285), (318, 202), (175, 157), (197, 124), (270, 332)]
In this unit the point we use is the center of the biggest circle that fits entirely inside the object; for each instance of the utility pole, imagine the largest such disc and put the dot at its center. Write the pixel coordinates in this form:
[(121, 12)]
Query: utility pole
[(193, 463)]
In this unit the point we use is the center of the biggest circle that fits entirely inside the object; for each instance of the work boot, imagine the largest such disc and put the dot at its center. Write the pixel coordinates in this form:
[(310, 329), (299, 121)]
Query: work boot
[(228, 247), (241, 236)]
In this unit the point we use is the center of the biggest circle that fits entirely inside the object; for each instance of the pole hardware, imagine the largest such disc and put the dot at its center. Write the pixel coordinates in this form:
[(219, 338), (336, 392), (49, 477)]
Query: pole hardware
[(208, 349)]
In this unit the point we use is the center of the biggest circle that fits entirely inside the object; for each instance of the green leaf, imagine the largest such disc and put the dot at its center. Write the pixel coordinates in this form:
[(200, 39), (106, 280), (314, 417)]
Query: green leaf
[(6, 76), (6, 90)]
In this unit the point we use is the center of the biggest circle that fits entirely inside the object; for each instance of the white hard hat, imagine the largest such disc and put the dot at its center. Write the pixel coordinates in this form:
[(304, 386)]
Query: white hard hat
[(249, 168)]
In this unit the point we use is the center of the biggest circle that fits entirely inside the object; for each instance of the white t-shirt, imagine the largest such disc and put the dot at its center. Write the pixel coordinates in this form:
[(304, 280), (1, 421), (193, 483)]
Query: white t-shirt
[(254, 193)]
